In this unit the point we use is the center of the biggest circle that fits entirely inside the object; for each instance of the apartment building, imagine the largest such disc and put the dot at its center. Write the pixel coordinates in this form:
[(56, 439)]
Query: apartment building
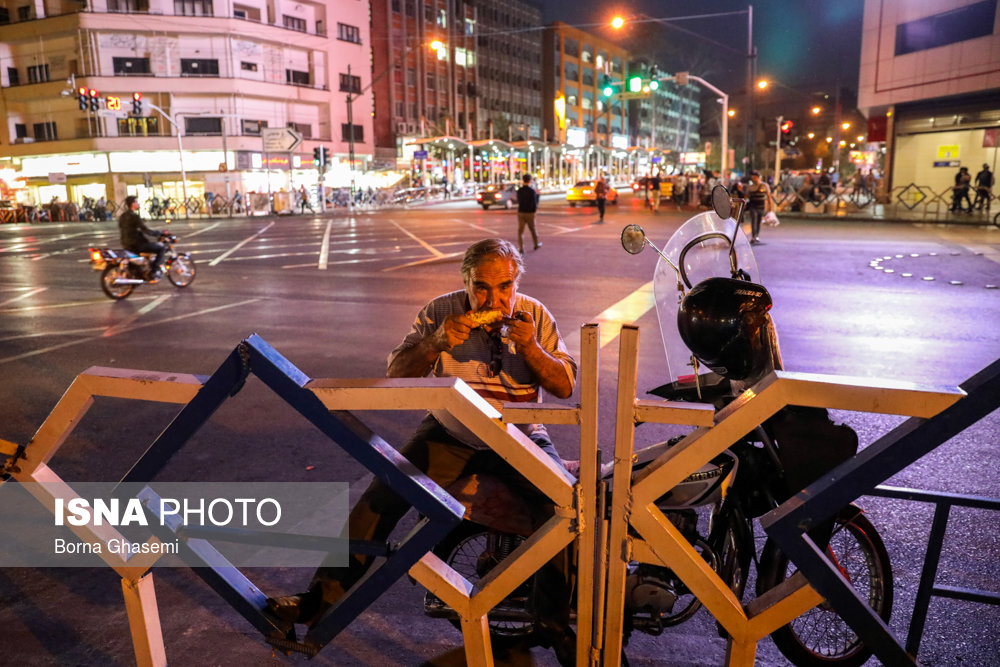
[(213, 77)]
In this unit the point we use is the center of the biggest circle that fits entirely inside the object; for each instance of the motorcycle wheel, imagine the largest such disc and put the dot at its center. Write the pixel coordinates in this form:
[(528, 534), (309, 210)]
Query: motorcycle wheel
[(181, 271), (111, 273), (465, 551), (820, 637)]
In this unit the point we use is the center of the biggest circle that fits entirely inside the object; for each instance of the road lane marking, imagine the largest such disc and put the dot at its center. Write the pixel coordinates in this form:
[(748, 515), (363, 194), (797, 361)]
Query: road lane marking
[(324, 249), (114, 330), (68, 304), (626, 311), (427, 260), (431, 249), (240, 245), (202, 230), (24, 296)]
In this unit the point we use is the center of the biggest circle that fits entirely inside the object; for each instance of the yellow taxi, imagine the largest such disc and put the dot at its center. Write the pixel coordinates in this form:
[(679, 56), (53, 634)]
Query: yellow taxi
[(583, 193)]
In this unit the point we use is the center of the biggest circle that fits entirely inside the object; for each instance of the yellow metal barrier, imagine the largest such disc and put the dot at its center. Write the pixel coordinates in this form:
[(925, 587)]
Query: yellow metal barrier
[(633, 501)]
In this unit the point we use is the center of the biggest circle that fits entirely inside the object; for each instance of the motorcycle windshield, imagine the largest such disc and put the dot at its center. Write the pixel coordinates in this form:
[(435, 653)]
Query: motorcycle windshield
[(704, 242)]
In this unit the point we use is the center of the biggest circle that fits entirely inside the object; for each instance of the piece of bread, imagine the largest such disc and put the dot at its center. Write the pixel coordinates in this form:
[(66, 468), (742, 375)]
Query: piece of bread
[(484, 317)]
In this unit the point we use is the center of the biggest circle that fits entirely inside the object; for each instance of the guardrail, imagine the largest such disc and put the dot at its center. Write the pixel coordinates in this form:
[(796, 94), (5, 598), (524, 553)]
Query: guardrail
[(637, 530)]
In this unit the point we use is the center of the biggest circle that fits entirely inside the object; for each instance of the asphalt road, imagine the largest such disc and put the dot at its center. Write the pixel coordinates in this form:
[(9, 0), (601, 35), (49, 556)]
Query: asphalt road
[(335, 294)]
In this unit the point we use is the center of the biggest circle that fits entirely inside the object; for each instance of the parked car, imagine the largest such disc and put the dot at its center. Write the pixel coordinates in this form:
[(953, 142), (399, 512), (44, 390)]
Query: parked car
[(502, 194), (583, 193)]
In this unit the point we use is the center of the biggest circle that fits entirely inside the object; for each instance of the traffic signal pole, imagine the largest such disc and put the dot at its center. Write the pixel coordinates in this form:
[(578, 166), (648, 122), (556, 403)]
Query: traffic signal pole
[(777, 151)]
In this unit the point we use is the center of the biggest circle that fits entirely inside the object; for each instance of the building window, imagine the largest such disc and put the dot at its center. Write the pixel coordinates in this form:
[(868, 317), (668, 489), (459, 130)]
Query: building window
[(138, 126), (345, 132), (957, 25), (411, 76), (38, 73), (45, 131), (571, 47), (350, 83), (348, 33), (400, 110), (4, 16), (130, 66), (12, 77), (253, 127), (588, 77), (248, 67), (305, 129), (199, 67), (193, 8), (293, 23), (395, 6), (297, 77), (20, 130), (431, 81), (128, 6), (24, 13), (202, 125)]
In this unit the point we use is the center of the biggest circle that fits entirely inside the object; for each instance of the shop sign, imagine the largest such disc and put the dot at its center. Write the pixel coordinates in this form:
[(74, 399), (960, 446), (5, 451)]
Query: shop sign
[(947, 163), (948, 152), (419, 155), (619, 141), (990, 138), (71, 164), (57, 177), (576, 136), (255, 160), (693, 158)]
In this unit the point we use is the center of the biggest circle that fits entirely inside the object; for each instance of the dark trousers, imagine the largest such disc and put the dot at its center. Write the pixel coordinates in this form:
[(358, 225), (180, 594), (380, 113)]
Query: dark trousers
[(756, 215), (444, 459), (151, 246), (601, 202)]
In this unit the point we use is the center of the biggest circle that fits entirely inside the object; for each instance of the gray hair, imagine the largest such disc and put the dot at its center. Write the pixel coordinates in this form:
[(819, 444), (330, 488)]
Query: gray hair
[(479, 251)]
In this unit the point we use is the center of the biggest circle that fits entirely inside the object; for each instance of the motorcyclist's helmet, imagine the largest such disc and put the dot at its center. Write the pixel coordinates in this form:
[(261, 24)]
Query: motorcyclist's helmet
[(724, 322)]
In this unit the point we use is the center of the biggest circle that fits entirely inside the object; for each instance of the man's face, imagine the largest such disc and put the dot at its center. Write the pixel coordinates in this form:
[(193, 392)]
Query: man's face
[(493, 285), (134, 206)]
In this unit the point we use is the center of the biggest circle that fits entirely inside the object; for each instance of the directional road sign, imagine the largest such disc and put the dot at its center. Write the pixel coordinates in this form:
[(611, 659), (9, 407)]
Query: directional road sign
[(280, 139)]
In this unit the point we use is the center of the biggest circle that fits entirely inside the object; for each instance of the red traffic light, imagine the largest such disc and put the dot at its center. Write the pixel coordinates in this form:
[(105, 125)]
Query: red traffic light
[(786, 127), (136, 96), (83, 91), (93, 93)]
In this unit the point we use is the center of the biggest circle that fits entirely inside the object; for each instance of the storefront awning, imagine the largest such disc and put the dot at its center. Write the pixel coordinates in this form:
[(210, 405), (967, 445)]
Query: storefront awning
[(443, 141), (491, 145), (529, 145)]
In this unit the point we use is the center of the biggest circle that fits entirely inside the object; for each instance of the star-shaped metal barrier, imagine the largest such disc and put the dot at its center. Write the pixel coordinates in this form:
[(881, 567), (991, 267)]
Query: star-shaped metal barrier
[(634, 503), (857, 477), (201, 397)]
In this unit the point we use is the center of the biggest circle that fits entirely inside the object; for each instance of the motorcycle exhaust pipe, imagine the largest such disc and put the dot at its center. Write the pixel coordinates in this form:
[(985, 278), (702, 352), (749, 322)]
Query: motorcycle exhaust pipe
[(128, 281)]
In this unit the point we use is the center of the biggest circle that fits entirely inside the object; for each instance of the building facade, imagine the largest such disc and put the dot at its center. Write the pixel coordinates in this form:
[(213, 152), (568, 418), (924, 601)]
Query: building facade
[(213, 77), (929, 85)]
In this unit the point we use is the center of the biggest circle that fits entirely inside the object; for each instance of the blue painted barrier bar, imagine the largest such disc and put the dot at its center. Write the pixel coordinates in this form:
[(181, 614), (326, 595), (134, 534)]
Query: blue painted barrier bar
[(943, 502), (914, 438)]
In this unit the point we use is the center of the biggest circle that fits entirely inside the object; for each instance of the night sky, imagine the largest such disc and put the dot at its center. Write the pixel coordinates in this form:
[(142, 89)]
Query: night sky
[(808, 45)]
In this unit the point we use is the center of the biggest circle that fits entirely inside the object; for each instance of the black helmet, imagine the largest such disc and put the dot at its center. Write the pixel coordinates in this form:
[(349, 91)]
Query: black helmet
[(721, 320)]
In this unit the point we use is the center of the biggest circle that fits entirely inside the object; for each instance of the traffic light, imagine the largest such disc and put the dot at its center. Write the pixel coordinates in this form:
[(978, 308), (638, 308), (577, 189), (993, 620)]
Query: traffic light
[(136, 104), (325, 152), (654, 72), (786, 127), (635, 84), (81, 97), (95, 100), (318, 156), (606, 86)]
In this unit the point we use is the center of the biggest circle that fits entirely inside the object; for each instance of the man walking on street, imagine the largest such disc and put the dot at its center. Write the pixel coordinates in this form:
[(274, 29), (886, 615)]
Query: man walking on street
[(601, 196), (527, 205), (654, 190)]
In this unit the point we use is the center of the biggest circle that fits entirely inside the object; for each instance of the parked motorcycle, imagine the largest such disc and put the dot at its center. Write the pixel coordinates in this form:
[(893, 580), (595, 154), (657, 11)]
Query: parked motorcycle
[(719, 339), (121, 270)]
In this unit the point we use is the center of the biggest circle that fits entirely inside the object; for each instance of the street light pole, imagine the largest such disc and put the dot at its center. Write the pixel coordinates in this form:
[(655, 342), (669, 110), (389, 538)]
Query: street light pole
[(777, 151)]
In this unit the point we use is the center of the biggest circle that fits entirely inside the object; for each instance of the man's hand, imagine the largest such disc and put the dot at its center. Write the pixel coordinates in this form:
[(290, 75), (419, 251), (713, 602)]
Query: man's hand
[(521, 330), (453, 331)]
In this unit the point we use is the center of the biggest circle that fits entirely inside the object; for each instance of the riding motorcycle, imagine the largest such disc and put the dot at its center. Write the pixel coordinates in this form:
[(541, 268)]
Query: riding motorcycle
[(122, 270), (719, 339)]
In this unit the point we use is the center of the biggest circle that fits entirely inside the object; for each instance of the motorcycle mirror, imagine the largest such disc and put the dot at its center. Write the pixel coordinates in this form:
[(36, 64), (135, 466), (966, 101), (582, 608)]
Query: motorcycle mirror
[(721, 202), (633, 239)]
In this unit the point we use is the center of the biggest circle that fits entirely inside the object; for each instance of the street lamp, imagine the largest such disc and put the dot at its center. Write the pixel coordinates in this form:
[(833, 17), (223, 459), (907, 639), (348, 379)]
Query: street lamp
[(751, 54)]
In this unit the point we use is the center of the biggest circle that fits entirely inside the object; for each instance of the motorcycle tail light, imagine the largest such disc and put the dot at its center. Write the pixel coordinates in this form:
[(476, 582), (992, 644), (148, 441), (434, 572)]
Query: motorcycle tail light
[(95, 255)]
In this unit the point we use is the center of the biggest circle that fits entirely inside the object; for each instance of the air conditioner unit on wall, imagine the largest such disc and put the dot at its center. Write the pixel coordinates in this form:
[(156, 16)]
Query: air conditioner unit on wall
[(400, 128)]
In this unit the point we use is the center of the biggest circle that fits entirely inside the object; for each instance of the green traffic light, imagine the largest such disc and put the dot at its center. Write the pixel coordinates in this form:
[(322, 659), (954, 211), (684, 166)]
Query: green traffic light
[(608, 91), (635, 84), (654, 84)]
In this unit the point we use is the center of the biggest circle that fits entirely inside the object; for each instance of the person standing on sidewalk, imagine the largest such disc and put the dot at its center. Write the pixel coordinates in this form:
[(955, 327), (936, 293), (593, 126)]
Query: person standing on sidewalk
[(601, 196), (961, 191), (527, 205), (984, 188)]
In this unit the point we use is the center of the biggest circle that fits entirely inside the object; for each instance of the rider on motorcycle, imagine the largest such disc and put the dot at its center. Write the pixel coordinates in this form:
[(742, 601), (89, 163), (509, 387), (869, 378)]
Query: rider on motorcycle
[(138, 238)]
